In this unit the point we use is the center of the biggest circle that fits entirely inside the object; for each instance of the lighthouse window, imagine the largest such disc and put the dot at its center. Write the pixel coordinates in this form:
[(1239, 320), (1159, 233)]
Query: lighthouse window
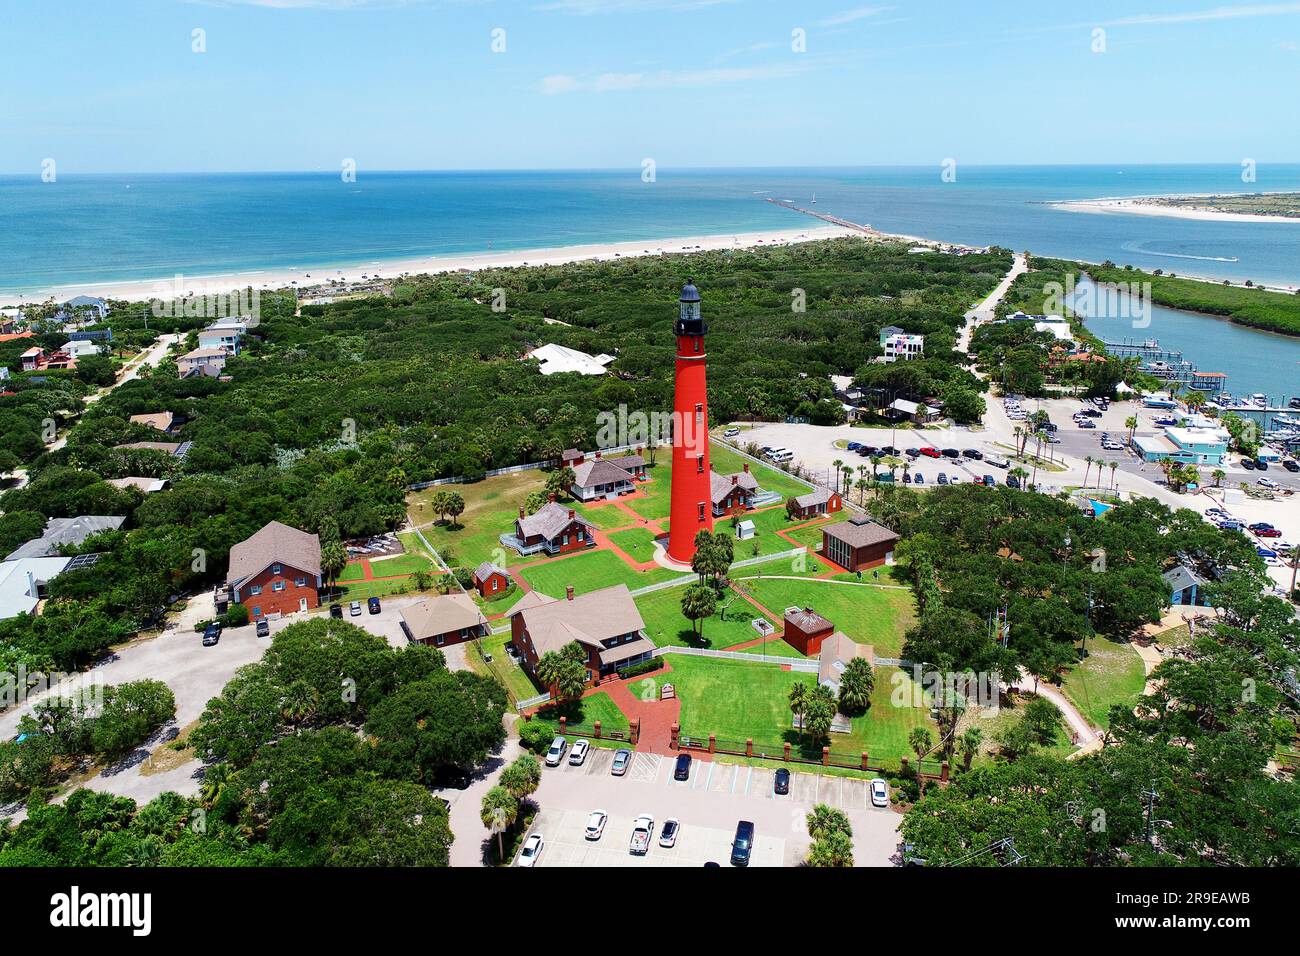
[(700, 506), (699, 414), (699, 464), (697, 345)]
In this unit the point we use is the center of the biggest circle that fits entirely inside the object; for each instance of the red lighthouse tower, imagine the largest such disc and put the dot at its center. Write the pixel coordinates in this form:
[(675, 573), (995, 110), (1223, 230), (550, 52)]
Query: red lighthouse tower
[(692, 501)]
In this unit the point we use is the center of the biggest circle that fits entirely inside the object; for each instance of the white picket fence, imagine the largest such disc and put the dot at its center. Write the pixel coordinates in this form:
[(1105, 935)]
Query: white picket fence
[(794, 663)]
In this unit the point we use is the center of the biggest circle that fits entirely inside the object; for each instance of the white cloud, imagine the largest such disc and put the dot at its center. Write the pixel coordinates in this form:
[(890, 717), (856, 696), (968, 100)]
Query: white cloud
[(852, 16), (1241, 12), (586, 8), (664, 79)]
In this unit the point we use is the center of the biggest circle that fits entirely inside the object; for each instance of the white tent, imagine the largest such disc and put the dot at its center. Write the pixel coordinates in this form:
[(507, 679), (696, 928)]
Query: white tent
[(1122, 388)]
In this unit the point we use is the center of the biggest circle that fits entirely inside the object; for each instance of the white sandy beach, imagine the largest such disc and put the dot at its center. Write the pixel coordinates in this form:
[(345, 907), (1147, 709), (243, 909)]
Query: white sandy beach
[(1144, 206), (319, 278)]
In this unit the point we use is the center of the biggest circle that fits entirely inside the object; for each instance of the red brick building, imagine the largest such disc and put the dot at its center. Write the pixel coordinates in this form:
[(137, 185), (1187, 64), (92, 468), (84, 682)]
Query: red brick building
[(554, 529), (818, 502), (605, 623), (444, 619), (858, 544), (490, 580), (276, 572), (805, 630), (732, 494)]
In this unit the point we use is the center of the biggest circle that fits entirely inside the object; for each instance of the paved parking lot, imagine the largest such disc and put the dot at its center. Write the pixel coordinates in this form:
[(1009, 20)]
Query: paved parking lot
[(708, 805)]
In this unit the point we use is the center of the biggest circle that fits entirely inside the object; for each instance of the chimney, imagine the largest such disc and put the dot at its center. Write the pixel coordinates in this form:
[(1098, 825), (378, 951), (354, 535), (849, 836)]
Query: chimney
[(521, 513), (746, 467), (639, 449), (572, 514), (551, 496), (598, 454), (735, 480), (568, 592)]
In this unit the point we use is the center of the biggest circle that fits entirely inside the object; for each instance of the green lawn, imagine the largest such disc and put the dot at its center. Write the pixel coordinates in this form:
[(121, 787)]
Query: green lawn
[(401, 564), (590, 571), (665, 625), (869, 615), (656, 501), (360, 590), (639, 543), (736, 700), (499, 604), (352, 571), (585, 712), (1111, 674), (726, 461), (991, 726), (502, 667)]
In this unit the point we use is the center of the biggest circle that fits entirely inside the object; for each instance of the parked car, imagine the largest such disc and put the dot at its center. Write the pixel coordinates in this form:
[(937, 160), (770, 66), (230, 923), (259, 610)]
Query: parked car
[(373, 605), (1291, 466), (622, 760), (955, 479), (668, 835), (974, 454), (731, 433), (1248, 464), (553, 756), (683, 769), (943, 478), (879, 793), (913, 453), (854, 445), (532, 850), (579, 753), (990, 481), (889, 450), (643, 831), (929, 452), (596, 824), (355, 608), (336, 610), (951, 453), (743, 844), (1260, 526), (263, 628), (1013, 482), (212, 634), (918, 479), (1085, 424), (997, 462), (1268, 533), (1261, 464), (781, 782)]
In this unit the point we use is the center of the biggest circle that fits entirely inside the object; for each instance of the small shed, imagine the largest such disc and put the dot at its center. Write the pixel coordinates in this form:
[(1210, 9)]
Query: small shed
[(745, 530)]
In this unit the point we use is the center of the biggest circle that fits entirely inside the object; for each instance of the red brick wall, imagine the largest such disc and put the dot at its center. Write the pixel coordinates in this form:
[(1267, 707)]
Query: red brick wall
[(485, 587), (805, 642), (452, 637), (528, 657), (271, 601)]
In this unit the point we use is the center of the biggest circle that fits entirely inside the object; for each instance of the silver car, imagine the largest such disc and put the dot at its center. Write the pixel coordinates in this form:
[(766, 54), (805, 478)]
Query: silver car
[(879, 793), (553, 756), (622, 760)]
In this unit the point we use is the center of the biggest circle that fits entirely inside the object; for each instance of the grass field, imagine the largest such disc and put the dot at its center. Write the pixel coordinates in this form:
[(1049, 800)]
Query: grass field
[(499, 604), (665, 625), (736, 700), (590, 571), (401, 564), (870, 615), (502, 667), (1111, 674), (585, 712), (639, 543)]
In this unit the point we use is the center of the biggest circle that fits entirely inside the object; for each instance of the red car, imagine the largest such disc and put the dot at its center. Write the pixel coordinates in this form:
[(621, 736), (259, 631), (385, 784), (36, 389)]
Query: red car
[(930, 452), (1268, 533)]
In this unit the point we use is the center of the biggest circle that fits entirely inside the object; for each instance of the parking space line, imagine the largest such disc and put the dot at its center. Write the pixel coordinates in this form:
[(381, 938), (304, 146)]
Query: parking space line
[(708, 777)]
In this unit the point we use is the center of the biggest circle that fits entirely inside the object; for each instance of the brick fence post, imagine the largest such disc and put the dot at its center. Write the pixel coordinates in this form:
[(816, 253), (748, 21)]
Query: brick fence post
[(713, 743), (749, 747), (902, 769), (864, 761), (564, 725), (943, 772), (785, 747), (597, 730), (826, 756), (634, 730), (674, 732)]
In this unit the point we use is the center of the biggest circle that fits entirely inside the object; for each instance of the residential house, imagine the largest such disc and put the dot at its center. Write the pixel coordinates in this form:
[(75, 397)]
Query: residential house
[(491, 580), (819, 501), (805, 630), (732, 494), (1185, 446), (836, 652), (605, 623), (65, 531), (147, 485), (444, 619), (601, 478), (553, 528), (22, 583), (902, 347), (163, 421), (85, 307), (80, 348), (202, 361), (858, 544), (572, 458), (559, 358), (916, 412), (174, 449), (223, 335), (276, 571)]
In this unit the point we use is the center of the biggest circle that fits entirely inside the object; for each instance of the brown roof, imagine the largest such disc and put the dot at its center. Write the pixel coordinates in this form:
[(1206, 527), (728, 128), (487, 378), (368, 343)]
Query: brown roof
[(167, 446), (275, 542), (623, 652), (159, 420), (629, 461), (807, 620), (549, 520), (531, 599), (442, 614), (818, 496), (722, 485), (837, 650), (588, 619), (860, 531), (599, 471), (203, 353), (571, 454)]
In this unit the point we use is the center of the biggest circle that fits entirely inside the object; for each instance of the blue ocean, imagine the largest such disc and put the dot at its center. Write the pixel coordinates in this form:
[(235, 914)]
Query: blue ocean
[(104, 228)]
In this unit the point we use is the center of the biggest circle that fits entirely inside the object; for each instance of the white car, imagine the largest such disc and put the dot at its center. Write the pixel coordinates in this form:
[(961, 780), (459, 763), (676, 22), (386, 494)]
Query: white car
[(355, 608), (643, 831), (879, 793), (553, 756), (731, 433), (531, 851), (668, 835), (596, 824), (579, 753), (1266, 482)]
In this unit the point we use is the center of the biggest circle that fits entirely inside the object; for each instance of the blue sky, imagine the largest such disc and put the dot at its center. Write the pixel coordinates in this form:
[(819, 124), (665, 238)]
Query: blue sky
[(414, 84)]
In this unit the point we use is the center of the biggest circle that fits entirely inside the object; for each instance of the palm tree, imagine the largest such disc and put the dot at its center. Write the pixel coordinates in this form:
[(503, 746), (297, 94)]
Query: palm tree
[(1113, 466), (1017, 432), (498, 814), (1131, 423), (1020, 475), (1194, 401), (823, 820), (920, 741), (970, 745), (1089, 459), (848, 476), (862, 486), (799, 697), (215, 780), (875, 464), (838, 463), (1218, 475)]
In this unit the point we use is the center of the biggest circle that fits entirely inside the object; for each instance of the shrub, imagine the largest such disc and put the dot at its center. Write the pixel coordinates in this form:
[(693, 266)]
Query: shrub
[(536, 736), (645, 667), (235, 616)]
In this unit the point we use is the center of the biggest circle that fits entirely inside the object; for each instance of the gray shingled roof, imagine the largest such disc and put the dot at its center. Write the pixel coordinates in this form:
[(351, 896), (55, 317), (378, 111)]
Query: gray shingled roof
[(721, 485), (442, 614), (588, 619), (275, 542), (600, 471), (61, 531), (550, 520), (487, 569), (1181, 577), (858, 532), (818, 496)]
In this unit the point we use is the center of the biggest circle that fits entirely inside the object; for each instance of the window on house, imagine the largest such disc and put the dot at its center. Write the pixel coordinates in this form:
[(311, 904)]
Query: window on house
[(275, 568), (564, 540), (580, 533), (439, 639), (277, 586), (300, 581), (255, 589), (701, 509), (495, 584)]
